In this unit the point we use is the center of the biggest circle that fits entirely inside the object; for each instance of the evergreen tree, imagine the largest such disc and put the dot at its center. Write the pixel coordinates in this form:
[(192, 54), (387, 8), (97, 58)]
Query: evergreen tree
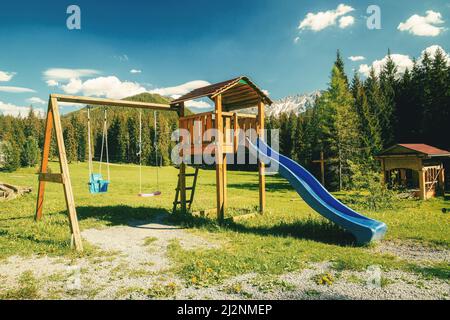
[(70, 142), (11, 154), (339, 63), (370, 134), (346, 124), (81, 137), (31, 152), (388, 85), (373, 112), (133, 141), (436, 116), (118, 140)]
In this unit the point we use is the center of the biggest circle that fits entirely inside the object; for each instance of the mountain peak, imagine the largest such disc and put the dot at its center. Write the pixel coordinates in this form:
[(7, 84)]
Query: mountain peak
[(298, 103)]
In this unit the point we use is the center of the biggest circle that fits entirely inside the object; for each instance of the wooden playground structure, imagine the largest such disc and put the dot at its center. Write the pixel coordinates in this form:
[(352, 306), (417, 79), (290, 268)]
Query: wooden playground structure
[(228, 96)]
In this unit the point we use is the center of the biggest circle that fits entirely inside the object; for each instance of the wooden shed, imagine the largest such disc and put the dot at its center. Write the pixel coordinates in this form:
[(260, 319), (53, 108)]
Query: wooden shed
[(417, 167)]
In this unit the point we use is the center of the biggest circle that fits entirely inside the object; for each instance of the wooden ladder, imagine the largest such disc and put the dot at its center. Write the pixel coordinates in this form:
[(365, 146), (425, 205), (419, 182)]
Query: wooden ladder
[(178, 200)]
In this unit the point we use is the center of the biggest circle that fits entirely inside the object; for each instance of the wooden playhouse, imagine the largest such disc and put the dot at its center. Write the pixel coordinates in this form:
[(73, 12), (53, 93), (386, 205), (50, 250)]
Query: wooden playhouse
[(417, 167)]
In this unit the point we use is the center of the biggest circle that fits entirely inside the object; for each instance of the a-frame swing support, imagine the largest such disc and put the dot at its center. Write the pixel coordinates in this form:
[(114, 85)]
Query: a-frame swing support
[(53, 121)]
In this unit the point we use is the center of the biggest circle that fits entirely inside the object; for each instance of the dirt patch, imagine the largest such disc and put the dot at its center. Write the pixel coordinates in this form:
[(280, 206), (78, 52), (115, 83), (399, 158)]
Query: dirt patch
[(131, 242)]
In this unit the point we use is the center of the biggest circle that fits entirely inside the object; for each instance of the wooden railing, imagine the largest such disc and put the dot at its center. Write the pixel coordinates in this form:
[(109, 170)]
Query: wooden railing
[(200, 134)]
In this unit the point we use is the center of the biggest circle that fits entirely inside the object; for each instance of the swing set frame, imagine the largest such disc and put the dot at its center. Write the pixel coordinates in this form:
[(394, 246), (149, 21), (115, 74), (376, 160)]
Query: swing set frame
[(53, 121)]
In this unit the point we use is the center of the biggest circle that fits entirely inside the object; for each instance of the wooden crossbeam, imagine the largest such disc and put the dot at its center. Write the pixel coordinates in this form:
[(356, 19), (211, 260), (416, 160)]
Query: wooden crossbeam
[(51, 177), (113, 103)]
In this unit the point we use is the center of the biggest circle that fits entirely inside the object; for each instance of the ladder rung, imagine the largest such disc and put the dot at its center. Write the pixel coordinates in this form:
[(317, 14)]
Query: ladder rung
[(179, 202), (188, 174), (187, 188)]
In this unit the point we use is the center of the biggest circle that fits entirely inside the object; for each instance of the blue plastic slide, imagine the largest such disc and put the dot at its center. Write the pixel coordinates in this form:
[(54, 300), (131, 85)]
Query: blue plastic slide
[(317, 197)]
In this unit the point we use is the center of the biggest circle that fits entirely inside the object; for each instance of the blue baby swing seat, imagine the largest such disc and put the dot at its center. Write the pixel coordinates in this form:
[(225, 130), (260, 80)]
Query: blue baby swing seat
[(97, 184)]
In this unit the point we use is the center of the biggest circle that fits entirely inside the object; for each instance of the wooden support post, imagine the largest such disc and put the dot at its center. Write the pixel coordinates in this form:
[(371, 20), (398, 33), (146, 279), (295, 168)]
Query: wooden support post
[(44, 161), (383, 172), (182, 173), (422, 185), (219, 160), (224, 172), (322, 167), (67, 186), (182, 179), (261, 167), (236, 132), (442, 180)]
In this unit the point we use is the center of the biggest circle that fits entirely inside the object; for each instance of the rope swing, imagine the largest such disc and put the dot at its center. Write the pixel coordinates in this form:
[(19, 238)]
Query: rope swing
[(96, 182), (155, 145)]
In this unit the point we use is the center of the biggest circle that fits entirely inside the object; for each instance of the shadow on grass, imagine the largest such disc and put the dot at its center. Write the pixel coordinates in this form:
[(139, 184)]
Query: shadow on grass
[(320, 231), (123, 215), (34, 239)]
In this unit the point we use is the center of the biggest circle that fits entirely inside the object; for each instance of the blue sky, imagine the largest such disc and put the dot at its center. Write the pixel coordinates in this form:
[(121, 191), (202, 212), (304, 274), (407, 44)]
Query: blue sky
[(170, 43)]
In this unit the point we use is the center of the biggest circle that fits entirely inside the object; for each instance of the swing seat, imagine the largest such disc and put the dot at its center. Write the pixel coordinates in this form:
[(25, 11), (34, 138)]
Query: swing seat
[(97, 184), (148, 195)]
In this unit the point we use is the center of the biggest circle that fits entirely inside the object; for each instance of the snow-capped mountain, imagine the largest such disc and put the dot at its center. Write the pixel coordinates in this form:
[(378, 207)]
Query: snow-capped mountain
[(298, 103)]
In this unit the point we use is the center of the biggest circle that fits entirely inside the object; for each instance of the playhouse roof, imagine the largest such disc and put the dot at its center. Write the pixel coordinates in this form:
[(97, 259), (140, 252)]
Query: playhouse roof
[(418, 149), (237, 93)]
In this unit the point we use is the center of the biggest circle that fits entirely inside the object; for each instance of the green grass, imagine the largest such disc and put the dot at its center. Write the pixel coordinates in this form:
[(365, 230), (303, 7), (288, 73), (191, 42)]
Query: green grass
[(285, 239)]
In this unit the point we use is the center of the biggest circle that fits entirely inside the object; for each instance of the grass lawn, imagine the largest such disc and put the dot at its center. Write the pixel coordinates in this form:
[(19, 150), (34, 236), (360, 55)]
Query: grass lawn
[(285, 239)]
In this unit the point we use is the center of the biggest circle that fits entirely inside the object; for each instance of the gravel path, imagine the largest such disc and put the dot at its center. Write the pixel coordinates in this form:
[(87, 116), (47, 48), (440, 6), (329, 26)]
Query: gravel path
[(134, 265), (413, 251)]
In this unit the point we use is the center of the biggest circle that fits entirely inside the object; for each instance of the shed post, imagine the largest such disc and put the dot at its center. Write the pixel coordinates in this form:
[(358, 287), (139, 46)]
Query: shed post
[(422, 184), (383, 171), (442, 180)]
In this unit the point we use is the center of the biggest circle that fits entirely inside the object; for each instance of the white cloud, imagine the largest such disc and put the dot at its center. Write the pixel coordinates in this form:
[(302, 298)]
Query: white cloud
[(346, 22), (197, 104), (177, 91), (364, 69), (296, 40), (15, 89), (324, 19), (357, 58), (9, 109), (67, 74), (36, 100), (52, 83), (401, 61), (424, 26), (109, 87), (431, 50), (135, 71), (6, 76)]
